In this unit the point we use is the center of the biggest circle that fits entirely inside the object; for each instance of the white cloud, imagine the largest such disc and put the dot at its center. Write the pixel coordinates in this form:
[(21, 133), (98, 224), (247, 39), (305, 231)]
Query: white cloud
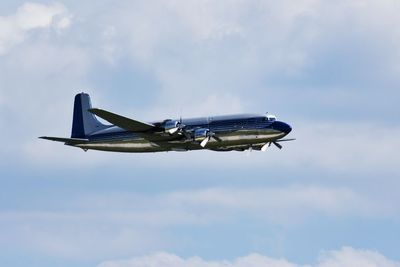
[(345, 257), (350, 257), (40, 80), (31, 16), (345, 146), (169, 260), (116, 224), (199, 47), (290, 204), (210, 103)]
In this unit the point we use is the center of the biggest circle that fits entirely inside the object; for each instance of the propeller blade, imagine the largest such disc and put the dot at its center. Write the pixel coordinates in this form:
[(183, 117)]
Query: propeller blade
[(173, 130), (264, 147), (205, 141), (217, 138), (278, 145), (248, 152)]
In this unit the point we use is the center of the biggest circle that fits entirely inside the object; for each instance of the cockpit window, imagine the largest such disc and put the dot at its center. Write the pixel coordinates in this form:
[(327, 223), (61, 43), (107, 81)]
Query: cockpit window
[(271, 118)]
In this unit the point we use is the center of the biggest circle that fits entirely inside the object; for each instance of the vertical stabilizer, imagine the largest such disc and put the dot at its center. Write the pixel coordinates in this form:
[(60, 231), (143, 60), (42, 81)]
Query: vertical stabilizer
[(84, 122)]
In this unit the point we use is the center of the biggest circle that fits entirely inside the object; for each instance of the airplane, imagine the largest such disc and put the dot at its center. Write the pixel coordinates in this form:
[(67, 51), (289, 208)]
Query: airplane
[(218, 133)]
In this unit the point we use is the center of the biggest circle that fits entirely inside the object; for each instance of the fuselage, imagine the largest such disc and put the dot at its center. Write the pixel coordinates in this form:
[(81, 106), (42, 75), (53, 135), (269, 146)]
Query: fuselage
[(235, 132)]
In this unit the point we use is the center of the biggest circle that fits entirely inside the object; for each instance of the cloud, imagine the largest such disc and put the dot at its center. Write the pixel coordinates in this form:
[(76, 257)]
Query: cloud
[(287, 204), (36, 86), (204, 47), (166, 260), (350, 257), (345, 257), (290, 204), (89, 225), (264, 38), (272, 54), (15, 28), (344, 146)]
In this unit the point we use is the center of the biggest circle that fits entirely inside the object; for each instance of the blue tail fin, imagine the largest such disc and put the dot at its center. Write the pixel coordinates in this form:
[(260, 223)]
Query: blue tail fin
[(84, 122)]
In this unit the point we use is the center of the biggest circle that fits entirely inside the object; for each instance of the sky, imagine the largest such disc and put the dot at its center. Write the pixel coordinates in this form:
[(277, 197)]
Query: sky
[(328, 68)]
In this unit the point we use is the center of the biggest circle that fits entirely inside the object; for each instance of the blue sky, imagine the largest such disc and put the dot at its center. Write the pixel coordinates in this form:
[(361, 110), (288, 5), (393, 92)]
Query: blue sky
[(330, 69)]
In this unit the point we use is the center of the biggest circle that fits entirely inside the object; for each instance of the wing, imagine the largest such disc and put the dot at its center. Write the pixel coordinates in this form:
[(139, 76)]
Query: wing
[(123, 122)]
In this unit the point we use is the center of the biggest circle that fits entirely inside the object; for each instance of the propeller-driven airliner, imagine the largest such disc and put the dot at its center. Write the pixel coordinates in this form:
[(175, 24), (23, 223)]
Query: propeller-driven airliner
[(218, 133)]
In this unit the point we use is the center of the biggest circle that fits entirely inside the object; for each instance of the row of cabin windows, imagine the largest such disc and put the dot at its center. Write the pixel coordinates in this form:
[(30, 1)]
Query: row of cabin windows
[(235, 123)]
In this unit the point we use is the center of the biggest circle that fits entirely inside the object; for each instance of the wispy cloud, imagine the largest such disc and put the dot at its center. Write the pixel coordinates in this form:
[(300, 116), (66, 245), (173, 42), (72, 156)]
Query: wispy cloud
[(86, 226), (31, 16), (345, 257)]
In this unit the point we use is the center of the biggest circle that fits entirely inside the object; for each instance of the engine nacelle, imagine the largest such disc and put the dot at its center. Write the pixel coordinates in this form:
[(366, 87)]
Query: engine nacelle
[(200, 134), (170, 126)]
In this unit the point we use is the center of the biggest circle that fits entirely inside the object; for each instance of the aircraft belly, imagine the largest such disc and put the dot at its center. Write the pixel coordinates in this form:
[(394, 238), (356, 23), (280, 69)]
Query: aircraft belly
[(247, 137), (124, 146)]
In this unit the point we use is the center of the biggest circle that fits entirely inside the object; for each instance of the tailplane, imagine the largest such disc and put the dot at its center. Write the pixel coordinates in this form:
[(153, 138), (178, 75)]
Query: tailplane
[(67, 141), (84, 122)]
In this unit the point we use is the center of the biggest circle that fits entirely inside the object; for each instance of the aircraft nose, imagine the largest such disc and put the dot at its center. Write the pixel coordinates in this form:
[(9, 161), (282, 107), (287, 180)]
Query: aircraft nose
[(283, 127)]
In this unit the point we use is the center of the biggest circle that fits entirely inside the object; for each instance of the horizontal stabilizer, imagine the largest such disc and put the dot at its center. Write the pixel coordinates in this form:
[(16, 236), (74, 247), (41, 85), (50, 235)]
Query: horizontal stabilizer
[(122, 122), (72, 141)]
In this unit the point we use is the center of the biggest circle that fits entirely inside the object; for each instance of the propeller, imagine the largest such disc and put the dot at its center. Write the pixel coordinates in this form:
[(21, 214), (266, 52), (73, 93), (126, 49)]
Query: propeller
[(248, 151), (267, 145), (173, 130), (205, 141), (277, 145), (210, 135), (215, 137), (178, 127), (181, 126), (264, 147)]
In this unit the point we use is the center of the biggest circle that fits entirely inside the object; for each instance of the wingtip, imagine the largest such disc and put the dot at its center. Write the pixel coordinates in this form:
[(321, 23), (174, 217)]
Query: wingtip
[(44, 138), (285, 140)]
